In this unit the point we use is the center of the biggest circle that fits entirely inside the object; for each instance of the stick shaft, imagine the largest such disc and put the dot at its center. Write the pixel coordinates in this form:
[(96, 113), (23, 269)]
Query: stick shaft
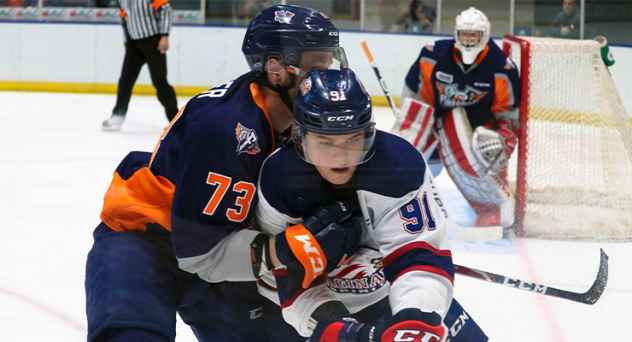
[(589, 297), (379, 77)]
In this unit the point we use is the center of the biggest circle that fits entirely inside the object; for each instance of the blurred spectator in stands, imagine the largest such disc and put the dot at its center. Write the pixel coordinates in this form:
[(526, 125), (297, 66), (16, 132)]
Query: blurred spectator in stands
[(388, 14), (107, 3), (566, 23), (45, 3), (253, 7), (416, 17), (11, 3)]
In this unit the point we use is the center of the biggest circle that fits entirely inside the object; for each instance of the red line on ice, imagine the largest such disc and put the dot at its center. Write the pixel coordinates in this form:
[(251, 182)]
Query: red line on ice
[(47, 309), (551, 321)]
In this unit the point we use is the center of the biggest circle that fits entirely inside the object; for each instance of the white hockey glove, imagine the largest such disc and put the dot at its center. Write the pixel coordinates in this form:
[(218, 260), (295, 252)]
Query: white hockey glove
[(489, 149), (493, 148)]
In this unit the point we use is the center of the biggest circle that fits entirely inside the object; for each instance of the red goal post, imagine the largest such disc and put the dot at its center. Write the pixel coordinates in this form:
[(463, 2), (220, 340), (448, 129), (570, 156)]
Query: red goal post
[(572, 172)]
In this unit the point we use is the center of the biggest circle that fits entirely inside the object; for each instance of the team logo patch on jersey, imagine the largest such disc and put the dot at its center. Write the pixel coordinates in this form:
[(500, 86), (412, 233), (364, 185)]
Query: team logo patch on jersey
[(451, 96), (358, 278), (443, 77), (247, 140), (306, 86), (284, 17)]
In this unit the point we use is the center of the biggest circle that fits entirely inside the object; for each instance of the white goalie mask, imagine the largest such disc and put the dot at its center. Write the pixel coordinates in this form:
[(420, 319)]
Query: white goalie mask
[(471, 34)]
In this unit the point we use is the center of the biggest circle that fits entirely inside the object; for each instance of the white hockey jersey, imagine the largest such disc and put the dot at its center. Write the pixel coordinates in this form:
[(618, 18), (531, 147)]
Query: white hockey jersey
[(404, 254)]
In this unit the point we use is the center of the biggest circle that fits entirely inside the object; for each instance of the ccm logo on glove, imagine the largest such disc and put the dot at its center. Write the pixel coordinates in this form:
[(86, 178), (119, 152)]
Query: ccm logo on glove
[(307, 247), (307, 251), (405, 335)]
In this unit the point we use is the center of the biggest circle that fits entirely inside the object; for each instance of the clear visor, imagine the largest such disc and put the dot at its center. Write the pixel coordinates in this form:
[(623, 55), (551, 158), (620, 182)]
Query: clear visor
[(334, 151), (470, 38), (302, 61)]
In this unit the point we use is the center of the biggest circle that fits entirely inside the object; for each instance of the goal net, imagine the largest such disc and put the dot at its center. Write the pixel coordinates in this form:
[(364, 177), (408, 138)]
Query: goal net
[(573, 170)]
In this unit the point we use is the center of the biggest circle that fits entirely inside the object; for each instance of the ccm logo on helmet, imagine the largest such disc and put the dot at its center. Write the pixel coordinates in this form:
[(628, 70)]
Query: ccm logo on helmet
[(412, 335), (340, 118)]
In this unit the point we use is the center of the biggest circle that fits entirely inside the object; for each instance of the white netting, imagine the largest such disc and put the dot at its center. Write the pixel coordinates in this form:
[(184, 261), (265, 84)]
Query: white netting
[(579, 157)]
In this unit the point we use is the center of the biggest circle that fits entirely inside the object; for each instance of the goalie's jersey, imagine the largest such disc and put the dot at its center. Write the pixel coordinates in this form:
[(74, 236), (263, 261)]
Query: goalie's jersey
[(200, 182), (488, 87), (404, 230)]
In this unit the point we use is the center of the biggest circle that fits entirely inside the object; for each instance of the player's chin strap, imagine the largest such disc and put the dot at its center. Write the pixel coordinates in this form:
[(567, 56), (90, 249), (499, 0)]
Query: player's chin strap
[(283, 91), (261, 79)]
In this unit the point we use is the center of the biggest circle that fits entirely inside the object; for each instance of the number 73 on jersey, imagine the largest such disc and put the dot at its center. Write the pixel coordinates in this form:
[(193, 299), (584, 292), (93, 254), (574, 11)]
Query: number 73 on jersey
[(245, 190)]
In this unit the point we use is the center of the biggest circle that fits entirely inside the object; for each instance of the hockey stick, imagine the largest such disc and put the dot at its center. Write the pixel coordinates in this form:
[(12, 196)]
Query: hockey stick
[(379, 77), (589, 297)]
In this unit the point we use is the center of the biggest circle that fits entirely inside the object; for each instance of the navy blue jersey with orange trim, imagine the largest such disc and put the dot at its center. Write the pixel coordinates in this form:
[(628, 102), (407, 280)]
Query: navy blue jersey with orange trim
[(486, 88), (200, 182)]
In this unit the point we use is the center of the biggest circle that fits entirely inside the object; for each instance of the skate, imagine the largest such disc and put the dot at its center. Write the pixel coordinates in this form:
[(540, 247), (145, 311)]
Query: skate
[(113, 124)]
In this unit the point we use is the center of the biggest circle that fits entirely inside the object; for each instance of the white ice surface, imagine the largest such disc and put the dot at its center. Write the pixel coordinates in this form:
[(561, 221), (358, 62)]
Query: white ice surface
[(56, 164)]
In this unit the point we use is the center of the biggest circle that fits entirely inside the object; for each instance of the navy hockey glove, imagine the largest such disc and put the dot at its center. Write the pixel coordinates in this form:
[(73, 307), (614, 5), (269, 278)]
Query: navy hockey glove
[(323, 241), (345, 329), (414, 325)]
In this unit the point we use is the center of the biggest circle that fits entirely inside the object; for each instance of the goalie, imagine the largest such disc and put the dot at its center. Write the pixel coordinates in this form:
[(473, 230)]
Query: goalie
[(461, 97)]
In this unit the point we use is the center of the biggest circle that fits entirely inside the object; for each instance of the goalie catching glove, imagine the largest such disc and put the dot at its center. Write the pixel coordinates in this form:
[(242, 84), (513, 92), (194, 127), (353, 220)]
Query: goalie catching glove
[(327, 239), (493, 148)]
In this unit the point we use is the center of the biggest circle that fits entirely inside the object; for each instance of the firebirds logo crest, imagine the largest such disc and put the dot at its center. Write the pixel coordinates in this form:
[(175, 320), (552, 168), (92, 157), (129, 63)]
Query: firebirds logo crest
[(247, 140), (451, 96), (284, 17)]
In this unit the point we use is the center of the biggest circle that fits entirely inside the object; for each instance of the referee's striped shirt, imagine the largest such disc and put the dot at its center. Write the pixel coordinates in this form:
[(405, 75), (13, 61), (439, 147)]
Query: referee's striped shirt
[(146, 18)]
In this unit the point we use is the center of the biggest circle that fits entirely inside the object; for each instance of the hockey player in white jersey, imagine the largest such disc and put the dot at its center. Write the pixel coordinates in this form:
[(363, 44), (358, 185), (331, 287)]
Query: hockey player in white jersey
[(401, 279), (463, 94)]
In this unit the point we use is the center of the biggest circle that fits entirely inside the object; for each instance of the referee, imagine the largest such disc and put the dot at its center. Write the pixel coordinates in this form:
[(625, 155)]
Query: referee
[(146, 25)]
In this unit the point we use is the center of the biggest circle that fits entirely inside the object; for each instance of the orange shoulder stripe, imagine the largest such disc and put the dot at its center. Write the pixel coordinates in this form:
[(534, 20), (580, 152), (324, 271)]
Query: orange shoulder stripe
[(501, 101), (121, 13), (427, 92), (258, 97), (157, 3), (143, 198)]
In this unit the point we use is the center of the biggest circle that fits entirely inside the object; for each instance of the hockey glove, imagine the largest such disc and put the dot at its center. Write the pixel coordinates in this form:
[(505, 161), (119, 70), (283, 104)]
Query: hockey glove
[(345, 329), (414, 325), (493, 148), (322, 242)]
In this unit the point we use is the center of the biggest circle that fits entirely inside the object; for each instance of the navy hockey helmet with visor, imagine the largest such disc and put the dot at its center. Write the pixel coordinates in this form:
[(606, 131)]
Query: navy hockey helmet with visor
[(296, 36), (333, 124)]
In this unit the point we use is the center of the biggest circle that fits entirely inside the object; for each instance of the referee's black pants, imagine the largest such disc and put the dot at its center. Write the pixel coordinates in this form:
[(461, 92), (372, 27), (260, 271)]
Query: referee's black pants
[(137, 52)]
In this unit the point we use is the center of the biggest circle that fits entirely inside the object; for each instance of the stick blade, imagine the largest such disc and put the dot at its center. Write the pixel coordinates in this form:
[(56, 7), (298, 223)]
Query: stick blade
[(596, 290)]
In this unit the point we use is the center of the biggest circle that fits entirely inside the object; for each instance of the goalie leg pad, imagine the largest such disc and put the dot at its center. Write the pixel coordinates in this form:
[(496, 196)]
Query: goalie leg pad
[(467, 171), (415, 122)]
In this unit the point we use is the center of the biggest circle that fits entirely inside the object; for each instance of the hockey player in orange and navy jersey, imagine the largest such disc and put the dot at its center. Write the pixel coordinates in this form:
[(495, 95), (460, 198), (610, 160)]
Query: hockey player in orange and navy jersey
[(173, 221), (462, 95)]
